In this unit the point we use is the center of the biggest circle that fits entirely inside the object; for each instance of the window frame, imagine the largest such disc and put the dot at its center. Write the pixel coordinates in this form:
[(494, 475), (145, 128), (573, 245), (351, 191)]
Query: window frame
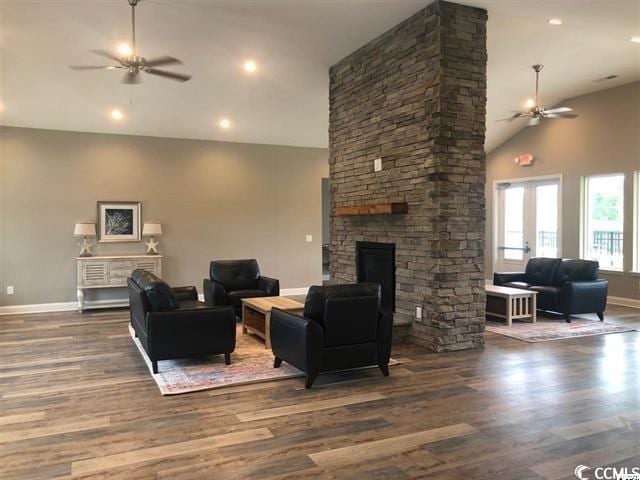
[(636, 222), (584, 220)]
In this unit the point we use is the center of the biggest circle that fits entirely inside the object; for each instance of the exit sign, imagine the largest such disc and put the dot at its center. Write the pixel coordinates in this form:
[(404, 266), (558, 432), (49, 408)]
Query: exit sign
[(524, 160)]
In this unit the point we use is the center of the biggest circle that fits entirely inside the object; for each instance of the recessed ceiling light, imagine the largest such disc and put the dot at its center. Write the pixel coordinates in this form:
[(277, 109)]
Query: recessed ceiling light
[(224, 123), (555, 21), (124, 49), (116, 115), (530, 103), (635, 39), (250, 66)]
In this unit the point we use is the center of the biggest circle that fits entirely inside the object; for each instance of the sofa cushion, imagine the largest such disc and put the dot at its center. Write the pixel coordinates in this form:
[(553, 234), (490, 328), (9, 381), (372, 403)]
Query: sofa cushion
[(542, 271), (159, 294), (317, 296), (576, 271), (235, 274), (548, 298), (235, 297), (521, 285)]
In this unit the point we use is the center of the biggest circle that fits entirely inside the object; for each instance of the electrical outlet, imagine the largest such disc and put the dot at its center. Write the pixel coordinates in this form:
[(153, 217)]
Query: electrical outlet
[(309, 238), (10, 290), (377, 165), (418, 311)]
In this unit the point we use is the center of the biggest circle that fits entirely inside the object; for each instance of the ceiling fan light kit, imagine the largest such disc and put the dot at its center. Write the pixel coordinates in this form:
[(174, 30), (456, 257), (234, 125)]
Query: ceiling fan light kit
[(133, 63), (536, 112)]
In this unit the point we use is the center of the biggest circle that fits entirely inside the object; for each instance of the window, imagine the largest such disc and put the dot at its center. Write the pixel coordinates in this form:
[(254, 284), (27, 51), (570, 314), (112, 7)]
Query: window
[(636, 221), (603, 220)]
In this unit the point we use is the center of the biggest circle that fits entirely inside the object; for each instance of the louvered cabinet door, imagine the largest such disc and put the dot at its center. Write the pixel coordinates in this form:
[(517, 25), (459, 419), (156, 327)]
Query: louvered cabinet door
[(151, 265), (94, 274)]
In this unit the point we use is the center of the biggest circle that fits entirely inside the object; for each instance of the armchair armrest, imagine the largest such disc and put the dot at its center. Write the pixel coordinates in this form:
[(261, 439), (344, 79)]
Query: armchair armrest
[(191, 331), (584, 297), (214, 293), (269, 285), (185, 293), (297, 340), (500, 278)]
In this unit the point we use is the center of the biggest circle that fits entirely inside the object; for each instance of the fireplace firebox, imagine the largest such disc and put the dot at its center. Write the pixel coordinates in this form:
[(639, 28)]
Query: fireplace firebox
[(376, 262)]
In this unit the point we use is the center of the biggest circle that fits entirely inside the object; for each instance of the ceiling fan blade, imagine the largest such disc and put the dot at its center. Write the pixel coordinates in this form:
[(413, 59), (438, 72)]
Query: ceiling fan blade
[(559, 110), (91, 67), (560, 115), (165, 60), (132, 78), (171, 75), (533, 122), (104, 53)]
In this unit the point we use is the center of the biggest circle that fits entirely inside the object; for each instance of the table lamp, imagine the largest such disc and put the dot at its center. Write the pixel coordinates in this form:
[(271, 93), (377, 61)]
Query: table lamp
[(152, 229), (84, 230)]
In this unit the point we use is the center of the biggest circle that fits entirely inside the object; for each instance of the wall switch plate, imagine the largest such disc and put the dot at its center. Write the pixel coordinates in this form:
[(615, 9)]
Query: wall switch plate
[(377, 165), (418, 311), (10, 290), (309, 238)]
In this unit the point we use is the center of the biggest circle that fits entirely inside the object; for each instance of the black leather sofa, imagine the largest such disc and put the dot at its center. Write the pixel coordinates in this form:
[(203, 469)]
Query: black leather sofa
[(172, 323), (565, 286), (232, 280), (342, 327)]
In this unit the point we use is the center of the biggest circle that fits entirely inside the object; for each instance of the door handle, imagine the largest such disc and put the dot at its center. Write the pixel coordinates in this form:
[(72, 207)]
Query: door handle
[(525, 249)]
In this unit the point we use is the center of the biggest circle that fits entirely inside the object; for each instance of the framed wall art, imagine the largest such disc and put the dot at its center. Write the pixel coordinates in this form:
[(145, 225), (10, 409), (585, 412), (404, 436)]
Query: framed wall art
[(119, 221)]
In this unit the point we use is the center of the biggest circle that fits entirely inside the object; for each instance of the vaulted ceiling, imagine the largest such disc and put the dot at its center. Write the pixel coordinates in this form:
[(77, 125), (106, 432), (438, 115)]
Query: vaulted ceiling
[(293, 42)]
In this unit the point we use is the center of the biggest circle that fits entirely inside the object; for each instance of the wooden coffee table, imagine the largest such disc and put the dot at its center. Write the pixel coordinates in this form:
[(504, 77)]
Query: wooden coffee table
[(511, 303), (256, 314)]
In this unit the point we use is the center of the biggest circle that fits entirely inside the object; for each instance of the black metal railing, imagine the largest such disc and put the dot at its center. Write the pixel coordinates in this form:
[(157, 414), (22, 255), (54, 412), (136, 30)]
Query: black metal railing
[(547, 239), (607, 242)]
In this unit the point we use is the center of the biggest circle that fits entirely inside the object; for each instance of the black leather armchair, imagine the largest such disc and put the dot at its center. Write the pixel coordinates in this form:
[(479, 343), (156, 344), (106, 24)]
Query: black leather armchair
[(565, 286), (172, 323), (342, 327), (232, 280)]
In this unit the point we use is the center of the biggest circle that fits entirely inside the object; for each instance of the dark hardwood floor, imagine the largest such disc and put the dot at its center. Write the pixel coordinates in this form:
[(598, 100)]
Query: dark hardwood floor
[(76, 400)]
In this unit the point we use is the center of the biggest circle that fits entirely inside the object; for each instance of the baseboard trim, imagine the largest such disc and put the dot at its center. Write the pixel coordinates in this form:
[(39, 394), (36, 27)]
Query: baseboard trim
[(92, 305), (624, 302), (62, 306)]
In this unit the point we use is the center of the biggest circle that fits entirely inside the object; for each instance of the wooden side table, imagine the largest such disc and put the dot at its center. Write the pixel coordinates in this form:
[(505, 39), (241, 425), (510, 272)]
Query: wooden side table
[(256, 314), (511, 303)]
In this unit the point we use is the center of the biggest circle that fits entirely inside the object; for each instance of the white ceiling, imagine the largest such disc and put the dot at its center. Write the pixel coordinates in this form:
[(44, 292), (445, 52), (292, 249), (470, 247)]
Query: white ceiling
[(294, 42)]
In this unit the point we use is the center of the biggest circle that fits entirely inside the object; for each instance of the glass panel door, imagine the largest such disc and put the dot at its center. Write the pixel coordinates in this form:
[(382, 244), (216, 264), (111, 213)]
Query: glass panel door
[(528, 214)]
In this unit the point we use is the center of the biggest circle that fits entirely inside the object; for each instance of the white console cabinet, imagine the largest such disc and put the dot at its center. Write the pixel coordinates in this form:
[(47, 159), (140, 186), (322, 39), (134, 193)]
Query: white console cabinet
[(112, 272)]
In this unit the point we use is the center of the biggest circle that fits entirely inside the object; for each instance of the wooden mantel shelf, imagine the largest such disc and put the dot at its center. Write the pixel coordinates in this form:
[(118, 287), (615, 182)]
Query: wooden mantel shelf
[(373, 209)]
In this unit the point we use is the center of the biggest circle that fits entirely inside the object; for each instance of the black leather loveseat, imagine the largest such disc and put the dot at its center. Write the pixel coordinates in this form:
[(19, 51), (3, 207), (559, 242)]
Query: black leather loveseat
[(172, 323), (564, 286), (232, 280), (342, 327)]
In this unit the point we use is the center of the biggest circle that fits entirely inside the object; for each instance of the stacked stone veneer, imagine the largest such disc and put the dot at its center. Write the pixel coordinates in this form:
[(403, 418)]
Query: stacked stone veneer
[(415, 96)]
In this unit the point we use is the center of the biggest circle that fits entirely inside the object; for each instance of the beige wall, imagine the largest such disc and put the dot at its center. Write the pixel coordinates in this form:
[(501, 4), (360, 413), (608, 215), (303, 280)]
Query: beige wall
[(605, 138), (215, 200)]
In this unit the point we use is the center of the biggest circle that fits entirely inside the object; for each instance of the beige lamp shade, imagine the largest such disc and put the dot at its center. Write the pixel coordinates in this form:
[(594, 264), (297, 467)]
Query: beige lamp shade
[(151, 229), (85, 229)]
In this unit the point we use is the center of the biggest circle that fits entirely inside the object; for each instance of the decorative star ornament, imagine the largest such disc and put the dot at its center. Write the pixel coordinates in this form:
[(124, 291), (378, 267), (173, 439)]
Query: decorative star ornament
[(152, 247)]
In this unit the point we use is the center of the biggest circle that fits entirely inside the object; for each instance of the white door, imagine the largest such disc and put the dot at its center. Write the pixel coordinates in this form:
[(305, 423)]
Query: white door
[(527, 223)]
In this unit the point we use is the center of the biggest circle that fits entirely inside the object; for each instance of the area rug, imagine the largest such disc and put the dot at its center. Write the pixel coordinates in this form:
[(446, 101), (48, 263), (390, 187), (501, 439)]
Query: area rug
[(545, 329), (250, 363)]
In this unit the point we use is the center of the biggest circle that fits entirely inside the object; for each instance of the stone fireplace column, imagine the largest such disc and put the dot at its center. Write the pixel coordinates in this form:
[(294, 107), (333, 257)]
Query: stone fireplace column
[(415, 97)]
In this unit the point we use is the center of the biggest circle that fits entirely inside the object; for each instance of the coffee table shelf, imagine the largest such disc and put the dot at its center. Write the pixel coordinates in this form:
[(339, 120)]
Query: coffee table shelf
[(256, 314), (511, 303)]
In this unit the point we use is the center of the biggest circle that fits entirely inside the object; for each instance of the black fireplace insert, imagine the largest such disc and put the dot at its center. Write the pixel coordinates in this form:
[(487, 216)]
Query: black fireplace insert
[(376, 262)]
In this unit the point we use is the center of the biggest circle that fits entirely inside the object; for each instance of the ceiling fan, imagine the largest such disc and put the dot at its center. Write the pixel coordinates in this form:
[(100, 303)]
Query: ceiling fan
[(135, 64), (537, 112)]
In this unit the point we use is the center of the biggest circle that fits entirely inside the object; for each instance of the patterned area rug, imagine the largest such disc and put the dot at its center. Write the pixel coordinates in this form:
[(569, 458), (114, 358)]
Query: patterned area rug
[(250, 363), (546, 329)]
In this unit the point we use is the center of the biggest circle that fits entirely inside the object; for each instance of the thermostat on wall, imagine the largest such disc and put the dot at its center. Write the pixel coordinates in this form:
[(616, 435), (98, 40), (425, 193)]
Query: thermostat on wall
[(524, 160)]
